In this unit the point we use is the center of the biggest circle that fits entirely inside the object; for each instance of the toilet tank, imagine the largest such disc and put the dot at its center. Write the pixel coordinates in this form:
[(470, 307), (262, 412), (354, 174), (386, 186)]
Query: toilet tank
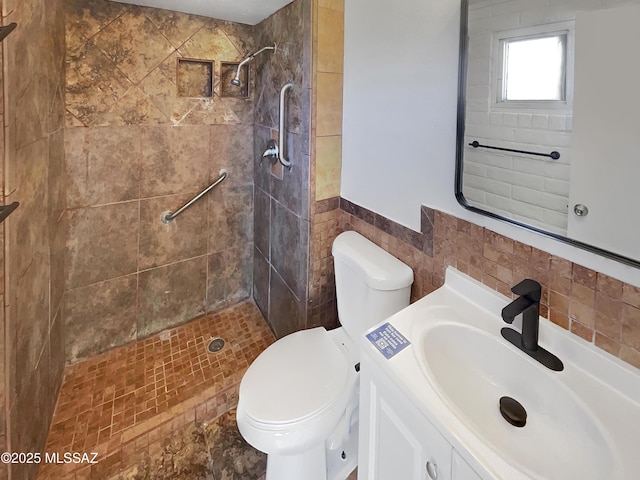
[(371, 284)]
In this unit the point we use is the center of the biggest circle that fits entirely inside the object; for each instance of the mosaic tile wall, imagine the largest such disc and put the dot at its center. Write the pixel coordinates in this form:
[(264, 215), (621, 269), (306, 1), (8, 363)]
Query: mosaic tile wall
[(281, 220), (594, 306), (322, 285), (33, 113), (134, 149)]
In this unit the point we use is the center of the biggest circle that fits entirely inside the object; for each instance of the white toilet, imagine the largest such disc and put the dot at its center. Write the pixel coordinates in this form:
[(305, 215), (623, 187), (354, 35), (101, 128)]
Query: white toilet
[(299, 399)]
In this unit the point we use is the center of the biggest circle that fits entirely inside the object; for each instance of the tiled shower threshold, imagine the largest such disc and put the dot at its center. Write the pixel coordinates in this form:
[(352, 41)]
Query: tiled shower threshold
[(151, 409)]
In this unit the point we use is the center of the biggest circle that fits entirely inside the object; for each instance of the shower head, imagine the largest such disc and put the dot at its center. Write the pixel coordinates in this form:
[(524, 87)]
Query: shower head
[(236, 79)]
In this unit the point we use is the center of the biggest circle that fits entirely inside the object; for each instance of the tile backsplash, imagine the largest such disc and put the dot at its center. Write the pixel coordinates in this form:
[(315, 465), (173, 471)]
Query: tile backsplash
[(594, 306)]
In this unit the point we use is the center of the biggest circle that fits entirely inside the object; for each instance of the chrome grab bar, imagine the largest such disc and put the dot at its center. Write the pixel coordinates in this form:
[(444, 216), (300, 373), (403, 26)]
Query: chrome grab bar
[(167, 216), (281, 140)]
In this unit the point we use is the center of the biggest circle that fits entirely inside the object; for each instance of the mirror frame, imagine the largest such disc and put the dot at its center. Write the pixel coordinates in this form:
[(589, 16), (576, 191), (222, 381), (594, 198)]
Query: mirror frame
[(460, 129)]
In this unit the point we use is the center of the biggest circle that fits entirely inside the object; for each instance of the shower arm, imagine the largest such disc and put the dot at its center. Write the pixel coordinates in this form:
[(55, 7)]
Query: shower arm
[(251, 57)]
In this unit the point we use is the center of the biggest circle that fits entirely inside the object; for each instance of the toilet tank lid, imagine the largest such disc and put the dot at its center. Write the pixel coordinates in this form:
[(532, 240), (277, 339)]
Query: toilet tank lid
[(382, 271)]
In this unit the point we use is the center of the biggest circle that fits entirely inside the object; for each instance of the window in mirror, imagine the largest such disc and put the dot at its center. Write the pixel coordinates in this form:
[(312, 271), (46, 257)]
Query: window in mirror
[(532, 69)]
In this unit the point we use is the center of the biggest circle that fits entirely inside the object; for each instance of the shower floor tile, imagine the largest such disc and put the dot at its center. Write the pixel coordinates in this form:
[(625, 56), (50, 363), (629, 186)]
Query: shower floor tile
[(121, 401)]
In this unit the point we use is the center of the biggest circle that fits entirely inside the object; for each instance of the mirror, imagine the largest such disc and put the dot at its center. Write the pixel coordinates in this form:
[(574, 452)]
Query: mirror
[(548, 118)]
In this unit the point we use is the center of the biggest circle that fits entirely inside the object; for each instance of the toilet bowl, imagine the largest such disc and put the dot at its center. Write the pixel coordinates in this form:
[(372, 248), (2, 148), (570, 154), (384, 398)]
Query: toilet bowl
[(298, 400)]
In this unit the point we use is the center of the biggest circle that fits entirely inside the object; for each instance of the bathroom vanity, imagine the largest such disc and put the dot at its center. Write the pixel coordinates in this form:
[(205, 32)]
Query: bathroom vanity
[(433, 377), (397, 441)]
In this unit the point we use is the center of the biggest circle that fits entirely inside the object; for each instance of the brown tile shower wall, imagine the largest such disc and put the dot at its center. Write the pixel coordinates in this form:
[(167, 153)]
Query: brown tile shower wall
[(281, 219), (134, 149), (33, 113), (594, 306)]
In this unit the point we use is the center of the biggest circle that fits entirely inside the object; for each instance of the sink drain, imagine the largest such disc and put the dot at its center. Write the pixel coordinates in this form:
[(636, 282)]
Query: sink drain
[(513, 411), (215, 345)]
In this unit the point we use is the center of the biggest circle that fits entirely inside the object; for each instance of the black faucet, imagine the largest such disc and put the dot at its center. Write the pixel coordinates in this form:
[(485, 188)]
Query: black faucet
[(528, 304)]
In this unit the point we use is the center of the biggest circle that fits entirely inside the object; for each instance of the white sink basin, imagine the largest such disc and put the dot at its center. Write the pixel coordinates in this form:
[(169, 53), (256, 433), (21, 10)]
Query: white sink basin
[(472, 369), (582, 422)]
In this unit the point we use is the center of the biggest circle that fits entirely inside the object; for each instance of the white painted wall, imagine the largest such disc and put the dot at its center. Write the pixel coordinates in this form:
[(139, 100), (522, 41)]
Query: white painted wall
[(399, 138), (400, 88)]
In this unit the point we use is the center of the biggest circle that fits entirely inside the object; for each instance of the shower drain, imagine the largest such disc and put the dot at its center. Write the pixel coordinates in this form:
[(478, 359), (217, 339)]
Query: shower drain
[(215, 345)]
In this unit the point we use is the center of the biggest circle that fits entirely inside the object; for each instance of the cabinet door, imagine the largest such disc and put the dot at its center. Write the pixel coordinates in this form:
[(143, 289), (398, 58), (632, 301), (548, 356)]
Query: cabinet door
[(396, 442), (462, 470)]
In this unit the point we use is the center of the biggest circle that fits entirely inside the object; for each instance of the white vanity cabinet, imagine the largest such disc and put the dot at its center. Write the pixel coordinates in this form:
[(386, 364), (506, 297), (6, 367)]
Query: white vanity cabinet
[(396, 441)]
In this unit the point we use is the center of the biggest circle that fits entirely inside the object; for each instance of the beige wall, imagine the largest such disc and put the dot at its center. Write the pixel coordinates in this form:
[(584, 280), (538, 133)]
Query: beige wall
[(328, 63), (34, 234)]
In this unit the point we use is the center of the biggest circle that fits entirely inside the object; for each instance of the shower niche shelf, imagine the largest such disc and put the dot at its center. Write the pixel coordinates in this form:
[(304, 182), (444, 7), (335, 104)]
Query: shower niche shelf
[(195, 78)]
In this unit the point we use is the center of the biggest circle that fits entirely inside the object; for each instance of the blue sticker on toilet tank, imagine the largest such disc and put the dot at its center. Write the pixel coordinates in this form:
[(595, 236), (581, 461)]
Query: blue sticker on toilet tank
[(388, 340)]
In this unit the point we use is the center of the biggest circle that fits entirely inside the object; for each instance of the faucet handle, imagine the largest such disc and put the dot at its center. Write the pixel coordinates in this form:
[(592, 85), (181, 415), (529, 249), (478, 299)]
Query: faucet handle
[(272, 151), (528, 288)]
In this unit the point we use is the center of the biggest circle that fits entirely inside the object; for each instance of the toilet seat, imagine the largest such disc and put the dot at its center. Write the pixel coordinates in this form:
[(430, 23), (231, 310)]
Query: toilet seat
[(276, 393)]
